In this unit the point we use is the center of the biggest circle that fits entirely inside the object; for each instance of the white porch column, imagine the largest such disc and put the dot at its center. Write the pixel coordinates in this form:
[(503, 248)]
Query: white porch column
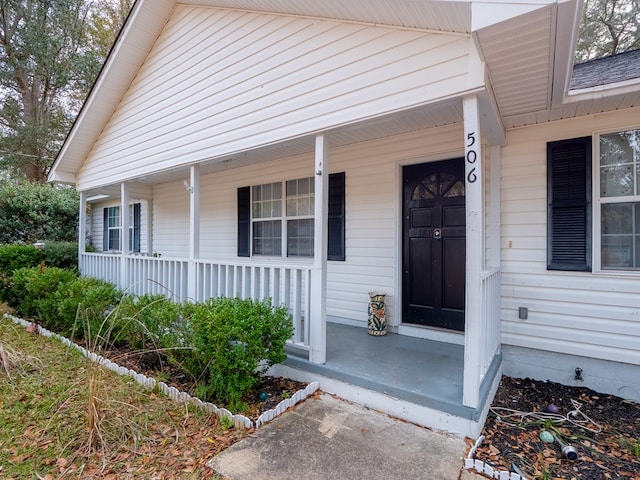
[(194, 230), (124, 235), (474, 331), (318, 303), (82, 229)]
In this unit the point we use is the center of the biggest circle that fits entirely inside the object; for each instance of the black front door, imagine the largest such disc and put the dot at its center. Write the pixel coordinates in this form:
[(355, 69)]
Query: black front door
[(434, 244)]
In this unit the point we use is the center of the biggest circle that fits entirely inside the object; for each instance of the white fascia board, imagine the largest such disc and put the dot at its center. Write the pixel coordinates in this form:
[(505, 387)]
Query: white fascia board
[(97, 198), (602, 91), (59, 176), (568, 17)]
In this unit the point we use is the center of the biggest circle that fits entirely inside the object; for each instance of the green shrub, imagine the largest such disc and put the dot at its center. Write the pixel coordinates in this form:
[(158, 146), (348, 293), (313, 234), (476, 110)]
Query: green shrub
[(16, 294), (61, 254), (30, 212), (14, 256), (33, 292), (83, 304), (235, 340)]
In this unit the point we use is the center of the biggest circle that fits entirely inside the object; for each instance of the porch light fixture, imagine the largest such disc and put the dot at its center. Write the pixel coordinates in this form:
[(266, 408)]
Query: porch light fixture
[(188, 187)]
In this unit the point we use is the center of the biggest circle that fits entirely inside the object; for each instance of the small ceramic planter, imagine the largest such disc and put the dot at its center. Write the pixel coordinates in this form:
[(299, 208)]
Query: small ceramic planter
[(377, 314)]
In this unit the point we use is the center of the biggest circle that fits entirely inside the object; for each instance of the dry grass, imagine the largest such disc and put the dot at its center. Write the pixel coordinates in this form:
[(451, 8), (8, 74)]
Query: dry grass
[(65, 417)]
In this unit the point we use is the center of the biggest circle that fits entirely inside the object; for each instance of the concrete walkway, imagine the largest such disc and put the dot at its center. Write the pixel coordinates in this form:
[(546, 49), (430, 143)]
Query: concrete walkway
[(328, 438)]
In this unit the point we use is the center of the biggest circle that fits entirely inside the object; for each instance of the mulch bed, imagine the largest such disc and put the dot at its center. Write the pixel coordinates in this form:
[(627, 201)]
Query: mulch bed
[(156, 365), (604, 429)]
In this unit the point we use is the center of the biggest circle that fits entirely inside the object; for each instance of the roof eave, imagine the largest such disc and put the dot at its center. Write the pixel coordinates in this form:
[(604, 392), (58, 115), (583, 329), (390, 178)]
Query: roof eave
[(602, 91), (110, 86)]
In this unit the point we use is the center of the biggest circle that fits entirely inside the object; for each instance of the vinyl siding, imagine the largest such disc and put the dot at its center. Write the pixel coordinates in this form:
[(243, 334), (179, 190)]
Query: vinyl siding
[(223, 81), (590, 314), (171, 220)]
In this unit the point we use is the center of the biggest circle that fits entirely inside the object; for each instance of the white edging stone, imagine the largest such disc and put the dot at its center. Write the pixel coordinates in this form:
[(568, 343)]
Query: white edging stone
[(471, 463), (173, 393)]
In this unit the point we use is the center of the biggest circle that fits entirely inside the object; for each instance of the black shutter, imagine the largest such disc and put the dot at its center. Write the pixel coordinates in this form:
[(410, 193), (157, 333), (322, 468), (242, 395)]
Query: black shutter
[(244, 221), (336, 213), (105, 229), (569, 207), (136, 227)]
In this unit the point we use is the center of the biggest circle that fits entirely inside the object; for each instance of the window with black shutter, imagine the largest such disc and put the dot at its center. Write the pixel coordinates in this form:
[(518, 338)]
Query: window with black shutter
[(299, 242), (569, 204), (112, 227)]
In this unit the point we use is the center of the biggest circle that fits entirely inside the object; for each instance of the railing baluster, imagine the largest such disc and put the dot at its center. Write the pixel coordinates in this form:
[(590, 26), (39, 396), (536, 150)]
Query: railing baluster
[(287, 286)]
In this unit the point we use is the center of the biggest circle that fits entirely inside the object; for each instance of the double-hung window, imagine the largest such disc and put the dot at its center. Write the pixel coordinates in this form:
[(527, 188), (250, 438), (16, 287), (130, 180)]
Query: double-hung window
[(606, 229), (619, 199), (277, 227), (277, 219), (266, 209), (112, 223)]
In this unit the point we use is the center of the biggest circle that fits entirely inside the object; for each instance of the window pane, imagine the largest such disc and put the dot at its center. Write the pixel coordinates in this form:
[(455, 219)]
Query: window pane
[(617, 251), (267, 201), (303, 186), (617, 148), (619, 160), (292, 207), (620, 236), (276, 207), (616, 181), (300, 238), (114, 239), (426, 189), (300, 197), (292, 188), (267, 238), (304, 206), (617, 218), (114, 217)]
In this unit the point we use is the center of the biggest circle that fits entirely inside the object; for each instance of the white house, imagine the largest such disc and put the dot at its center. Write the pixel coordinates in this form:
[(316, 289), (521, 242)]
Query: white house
[(446, 153)]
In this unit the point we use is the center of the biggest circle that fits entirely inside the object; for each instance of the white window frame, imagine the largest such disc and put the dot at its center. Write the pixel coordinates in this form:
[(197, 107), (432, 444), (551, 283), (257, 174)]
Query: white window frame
[(285, 216), (598, 201), (119, 228)]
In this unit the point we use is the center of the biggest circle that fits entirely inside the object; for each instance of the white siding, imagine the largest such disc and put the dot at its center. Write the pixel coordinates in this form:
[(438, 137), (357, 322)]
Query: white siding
[(590, 314), (97, 223), (221, 81), (373, 248), (171, 220)]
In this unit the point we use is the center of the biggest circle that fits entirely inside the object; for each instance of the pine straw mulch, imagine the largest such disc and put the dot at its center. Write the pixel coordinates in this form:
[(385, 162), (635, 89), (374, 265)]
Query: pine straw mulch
[(156, 365), (604, 429)]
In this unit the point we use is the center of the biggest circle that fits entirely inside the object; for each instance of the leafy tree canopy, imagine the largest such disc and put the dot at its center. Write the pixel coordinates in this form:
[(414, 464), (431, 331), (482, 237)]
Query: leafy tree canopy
[(50, 54), (30, 212), (608, 27)]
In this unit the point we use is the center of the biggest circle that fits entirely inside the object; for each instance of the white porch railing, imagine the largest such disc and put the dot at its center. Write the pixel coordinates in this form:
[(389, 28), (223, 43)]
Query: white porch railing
[(104, 267), (490, 291), (285, 285)]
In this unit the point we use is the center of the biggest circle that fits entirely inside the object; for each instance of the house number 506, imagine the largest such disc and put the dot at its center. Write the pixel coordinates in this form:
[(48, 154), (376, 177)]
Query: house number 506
[(471, 157)]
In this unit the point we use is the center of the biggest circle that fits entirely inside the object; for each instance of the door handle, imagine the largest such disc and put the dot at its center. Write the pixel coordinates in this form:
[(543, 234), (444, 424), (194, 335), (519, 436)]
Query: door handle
[(437, 234)]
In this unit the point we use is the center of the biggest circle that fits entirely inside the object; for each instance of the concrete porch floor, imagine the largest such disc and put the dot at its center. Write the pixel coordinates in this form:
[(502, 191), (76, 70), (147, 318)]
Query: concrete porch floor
[(422, 378)]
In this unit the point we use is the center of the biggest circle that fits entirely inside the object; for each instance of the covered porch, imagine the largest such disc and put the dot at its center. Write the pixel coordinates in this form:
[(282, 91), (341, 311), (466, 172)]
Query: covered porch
[(436, 384)]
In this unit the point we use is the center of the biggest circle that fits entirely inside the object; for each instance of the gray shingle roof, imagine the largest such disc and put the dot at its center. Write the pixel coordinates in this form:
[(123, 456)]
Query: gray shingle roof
[(606, 70)]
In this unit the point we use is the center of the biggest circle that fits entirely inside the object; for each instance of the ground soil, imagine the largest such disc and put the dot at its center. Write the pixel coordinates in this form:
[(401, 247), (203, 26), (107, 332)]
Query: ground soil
[(604, 429)]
